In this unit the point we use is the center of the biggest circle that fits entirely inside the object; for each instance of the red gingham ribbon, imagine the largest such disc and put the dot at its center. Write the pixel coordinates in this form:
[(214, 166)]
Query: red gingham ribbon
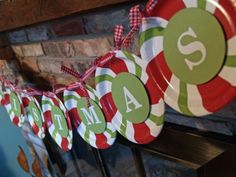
[(49, 94), (70, 71), (83, 77), (33, 92), (150, 6), (100, 61), (77, 75), (135, 18), (11, 85), (118, 36)]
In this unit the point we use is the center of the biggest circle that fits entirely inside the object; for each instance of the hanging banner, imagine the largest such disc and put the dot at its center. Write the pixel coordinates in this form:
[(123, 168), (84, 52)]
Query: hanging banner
[(57, 121), (1, 94), (194, 69), (14, 106), (128, 97), (86, 114), (34, 115)]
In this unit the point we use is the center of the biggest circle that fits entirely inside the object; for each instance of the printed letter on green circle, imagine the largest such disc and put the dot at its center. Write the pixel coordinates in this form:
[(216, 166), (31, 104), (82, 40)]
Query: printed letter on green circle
[(35, 113), (130, 97), (91, 116), (59, 121), (15, 104), (194, 46)]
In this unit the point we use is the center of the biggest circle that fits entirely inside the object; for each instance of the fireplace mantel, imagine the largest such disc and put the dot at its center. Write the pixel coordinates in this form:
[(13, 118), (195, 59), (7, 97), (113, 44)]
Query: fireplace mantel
[(19, 13)]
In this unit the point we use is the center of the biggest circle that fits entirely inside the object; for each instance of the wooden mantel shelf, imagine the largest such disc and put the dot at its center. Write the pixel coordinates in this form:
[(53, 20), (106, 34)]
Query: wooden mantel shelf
[(208, 156), (19, 13)]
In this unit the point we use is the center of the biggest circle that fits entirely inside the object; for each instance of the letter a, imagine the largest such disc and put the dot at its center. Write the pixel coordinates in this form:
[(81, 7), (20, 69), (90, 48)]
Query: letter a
[(129, 98)]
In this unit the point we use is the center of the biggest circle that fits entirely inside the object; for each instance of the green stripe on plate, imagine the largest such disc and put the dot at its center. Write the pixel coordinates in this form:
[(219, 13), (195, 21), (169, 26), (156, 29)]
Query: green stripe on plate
[(70, 140), (86, 135), (123, 127), (129, 55), (183, 99), (202, 4), (138, 69), (102, 78), (230, 61), (90, 88), (11, 111), (97, 100), (113, 135), (68, 97), (150, 33), (156, 119), (54, 134), (47, 102)]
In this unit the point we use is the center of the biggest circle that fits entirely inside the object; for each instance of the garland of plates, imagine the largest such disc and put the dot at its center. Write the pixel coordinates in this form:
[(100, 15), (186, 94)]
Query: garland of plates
[(183, 63)]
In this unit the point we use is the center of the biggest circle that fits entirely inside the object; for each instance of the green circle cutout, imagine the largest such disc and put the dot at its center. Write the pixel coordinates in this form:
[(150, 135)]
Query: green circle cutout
[(35, 113), (59, 121), (91, 116), (15, 104), (194, 46), (130, 97)]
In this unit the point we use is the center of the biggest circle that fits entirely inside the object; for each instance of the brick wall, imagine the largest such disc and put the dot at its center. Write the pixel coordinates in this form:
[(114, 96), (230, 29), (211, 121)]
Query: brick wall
[(9, 65), (73, 41), (76, 41)]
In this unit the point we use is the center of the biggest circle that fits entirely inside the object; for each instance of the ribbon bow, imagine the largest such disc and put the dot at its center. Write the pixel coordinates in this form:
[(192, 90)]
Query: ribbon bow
[(135, 18), (150, 7), (118, 36)]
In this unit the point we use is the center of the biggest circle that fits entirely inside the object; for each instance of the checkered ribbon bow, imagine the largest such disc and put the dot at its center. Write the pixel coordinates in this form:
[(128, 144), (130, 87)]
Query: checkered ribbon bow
[(150, 6), (79, 84), (118, 36), (135, 18), (100, 61)]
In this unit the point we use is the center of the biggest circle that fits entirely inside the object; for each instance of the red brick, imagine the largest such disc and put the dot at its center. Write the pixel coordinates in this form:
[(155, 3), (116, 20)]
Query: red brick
[(40, 81), (14, 65), (30, 64), (47, 65), (47, 80), (78, 65), (6, 53), (92, 47), (2, 64), (68, 27), (59, 49), (17, 50), (9, 67), (32, 50), (104, 21)]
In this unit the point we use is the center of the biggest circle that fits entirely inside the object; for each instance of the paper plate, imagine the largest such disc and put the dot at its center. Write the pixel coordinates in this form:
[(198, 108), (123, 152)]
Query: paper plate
[(1, 94), (57, 121), (14, 106), (128, 98), (190, 47), (34, 115), (89, 121)]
